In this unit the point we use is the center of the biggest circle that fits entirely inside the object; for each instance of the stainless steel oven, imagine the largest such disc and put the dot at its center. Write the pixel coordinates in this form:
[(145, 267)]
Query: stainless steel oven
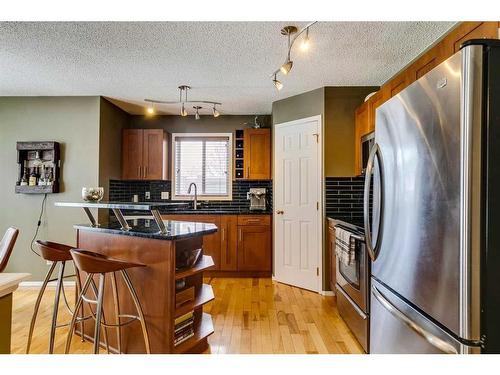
[(353, 287)]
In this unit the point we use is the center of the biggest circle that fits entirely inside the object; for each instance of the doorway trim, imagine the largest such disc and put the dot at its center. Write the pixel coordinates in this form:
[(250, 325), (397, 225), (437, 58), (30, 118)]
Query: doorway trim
[(321, 196)]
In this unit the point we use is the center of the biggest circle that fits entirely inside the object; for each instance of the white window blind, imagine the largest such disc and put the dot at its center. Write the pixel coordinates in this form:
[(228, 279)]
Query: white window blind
[(204, 160)]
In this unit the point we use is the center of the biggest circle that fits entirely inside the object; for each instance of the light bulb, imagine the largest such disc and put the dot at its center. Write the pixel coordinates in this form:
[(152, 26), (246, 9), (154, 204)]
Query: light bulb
[(286, 67), (304, 46), (197, 113), (277, 83), (184, 113), (150, 110), (215, 112)]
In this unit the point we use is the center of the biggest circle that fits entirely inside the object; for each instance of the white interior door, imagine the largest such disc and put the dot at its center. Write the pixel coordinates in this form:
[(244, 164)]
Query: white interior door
[(297, 203)]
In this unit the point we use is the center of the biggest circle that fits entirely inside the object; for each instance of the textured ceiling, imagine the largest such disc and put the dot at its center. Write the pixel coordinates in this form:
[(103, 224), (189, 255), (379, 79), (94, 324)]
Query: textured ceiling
[(226, 62)]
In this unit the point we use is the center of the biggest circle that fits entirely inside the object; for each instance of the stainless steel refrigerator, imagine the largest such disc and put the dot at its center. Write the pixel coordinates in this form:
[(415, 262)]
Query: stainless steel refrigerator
[(432, 218)]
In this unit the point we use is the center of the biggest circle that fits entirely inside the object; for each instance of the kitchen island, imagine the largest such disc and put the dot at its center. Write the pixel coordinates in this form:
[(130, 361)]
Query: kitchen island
[(143, 241)]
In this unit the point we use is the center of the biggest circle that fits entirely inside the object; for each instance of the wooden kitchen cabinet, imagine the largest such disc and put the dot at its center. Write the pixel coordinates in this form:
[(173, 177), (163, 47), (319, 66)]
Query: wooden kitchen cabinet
[(229, 243), (254, 248), (361, 127), (144, 154), (257, 154)]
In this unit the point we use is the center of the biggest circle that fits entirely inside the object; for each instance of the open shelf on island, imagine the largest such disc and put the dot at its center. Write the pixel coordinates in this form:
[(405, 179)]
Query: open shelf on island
[(203, 328), (204, 295), (203, 264)]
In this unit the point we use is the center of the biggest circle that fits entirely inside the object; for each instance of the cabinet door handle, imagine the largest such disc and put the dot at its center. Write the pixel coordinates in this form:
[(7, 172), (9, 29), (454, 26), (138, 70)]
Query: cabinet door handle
[(248, 172), (223, 230), (239, 233)]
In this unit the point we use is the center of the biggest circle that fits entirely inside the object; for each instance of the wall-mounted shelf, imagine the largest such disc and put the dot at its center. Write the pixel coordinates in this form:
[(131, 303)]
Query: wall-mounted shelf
[(38, 167)]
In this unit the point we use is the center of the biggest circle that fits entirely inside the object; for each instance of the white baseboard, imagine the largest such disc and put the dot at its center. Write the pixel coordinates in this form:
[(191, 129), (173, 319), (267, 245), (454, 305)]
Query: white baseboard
[(52, 284)]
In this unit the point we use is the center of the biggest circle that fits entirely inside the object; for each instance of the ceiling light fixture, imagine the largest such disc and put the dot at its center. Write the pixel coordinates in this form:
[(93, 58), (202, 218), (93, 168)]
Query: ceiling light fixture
[(183, 89), (197, 114), (277, 83), (215, 112), (184, 112), (288, 31), (151, 109)]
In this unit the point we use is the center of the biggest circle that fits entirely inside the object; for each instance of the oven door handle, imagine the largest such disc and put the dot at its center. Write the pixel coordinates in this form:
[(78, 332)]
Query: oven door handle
[(429, 337), (373, 250)]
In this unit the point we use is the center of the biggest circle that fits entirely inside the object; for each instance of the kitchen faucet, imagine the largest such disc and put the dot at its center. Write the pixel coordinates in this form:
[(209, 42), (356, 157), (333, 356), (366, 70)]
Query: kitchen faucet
[(195, 203)]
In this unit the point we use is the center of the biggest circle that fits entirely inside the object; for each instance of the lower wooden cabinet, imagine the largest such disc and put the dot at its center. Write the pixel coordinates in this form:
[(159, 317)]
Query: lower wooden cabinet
[(243, 243), (229, 242), (254, 248)]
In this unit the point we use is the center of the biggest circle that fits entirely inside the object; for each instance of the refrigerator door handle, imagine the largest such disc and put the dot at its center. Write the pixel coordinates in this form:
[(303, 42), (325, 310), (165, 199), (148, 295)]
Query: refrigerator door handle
[(373, 250), (429, 337)]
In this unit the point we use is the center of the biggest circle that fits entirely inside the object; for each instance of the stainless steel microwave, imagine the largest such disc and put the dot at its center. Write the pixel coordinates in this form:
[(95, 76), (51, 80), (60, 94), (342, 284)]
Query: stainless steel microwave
[(367, 142)]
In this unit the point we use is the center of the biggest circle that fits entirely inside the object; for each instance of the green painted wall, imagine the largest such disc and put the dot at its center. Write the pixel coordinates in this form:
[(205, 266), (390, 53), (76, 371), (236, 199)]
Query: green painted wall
[(72, 121)]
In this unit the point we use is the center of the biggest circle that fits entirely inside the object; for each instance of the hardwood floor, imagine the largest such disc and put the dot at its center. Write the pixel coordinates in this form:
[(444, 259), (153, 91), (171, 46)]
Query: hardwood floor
[(250, 316)]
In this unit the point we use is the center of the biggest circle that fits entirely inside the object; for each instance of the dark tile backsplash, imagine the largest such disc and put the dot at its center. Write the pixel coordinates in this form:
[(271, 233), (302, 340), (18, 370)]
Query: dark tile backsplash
[(124, 190), (344, 198)]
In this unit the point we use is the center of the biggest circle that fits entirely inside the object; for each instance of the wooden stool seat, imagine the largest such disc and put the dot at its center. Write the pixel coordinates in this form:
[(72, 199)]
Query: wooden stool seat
[(54, 252), (91, 262)]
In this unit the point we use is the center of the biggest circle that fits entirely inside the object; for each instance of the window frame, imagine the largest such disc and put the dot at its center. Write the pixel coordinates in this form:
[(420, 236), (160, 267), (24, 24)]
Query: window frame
[(201, 197)]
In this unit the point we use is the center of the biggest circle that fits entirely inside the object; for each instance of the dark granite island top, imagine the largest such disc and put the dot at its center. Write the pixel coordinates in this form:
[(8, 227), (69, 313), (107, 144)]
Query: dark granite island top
[(175, 230)]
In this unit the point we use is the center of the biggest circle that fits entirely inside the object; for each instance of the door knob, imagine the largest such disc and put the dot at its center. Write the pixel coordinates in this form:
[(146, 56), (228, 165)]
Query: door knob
[(280, 212)]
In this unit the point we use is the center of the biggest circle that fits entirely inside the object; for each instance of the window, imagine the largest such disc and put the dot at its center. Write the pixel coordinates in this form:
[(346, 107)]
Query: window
[(204, 159)]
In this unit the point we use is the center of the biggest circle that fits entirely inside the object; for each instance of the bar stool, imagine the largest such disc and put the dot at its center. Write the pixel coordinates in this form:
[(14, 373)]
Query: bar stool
[(94, 263), (57, 254)]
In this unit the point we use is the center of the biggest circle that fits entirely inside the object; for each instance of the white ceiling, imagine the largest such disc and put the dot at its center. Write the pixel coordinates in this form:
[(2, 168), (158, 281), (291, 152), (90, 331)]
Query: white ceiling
[(228, 62)]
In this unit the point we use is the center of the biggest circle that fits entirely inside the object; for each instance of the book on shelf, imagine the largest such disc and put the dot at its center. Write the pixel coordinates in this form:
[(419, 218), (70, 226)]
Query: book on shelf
[(184, 337), (184, 324), (184, 317)]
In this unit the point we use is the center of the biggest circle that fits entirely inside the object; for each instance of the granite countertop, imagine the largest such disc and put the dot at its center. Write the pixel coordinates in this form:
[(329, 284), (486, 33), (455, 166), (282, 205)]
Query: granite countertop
[(137, 206), (148, 229)]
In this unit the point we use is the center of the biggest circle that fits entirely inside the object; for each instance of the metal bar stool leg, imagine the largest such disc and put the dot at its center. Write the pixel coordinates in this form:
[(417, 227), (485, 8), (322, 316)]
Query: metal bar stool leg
[(77, 306), (97, 331), (78, 291), (117, 313), (55, 309), (96, 293), (37, 305), (139, 309)]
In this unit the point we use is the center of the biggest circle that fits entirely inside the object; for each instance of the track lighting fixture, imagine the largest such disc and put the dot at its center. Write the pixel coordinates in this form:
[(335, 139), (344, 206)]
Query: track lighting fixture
[(197, 113), (288, 31), (150, 110), (183, 89), (184, 112), (277, 83)]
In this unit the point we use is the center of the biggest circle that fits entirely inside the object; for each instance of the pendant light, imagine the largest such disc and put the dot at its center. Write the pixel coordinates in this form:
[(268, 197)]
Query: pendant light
[(304, 46), (277, 83), (215, 112), (197, 114), (184, 112)]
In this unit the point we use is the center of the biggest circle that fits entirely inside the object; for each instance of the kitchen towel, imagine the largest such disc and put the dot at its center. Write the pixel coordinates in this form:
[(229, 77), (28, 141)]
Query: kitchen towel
[(345, 246)]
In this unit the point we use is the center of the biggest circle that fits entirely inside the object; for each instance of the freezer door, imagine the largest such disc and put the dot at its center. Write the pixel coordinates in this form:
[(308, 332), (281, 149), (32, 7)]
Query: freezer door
[(397, 328), (424, 235)]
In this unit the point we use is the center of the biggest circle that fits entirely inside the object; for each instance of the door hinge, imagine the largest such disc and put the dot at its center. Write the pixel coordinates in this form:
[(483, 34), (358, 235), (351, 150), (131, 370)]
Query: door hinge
[(317, 137), (317, 271), (317, 206)]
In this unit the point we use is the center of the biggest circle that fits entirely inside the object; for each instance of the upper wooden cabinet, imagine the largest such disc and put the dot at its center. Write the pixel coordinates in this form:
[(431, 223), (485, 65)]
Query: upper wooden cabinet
[(361, 127), (257, 154), (144, 154)]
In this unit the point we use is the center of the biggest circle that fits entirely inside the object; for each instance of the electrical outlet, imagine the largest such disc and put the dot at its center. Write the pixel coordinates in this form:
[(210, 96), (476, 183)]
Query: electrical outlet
[(147, 195), (164, 195)]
